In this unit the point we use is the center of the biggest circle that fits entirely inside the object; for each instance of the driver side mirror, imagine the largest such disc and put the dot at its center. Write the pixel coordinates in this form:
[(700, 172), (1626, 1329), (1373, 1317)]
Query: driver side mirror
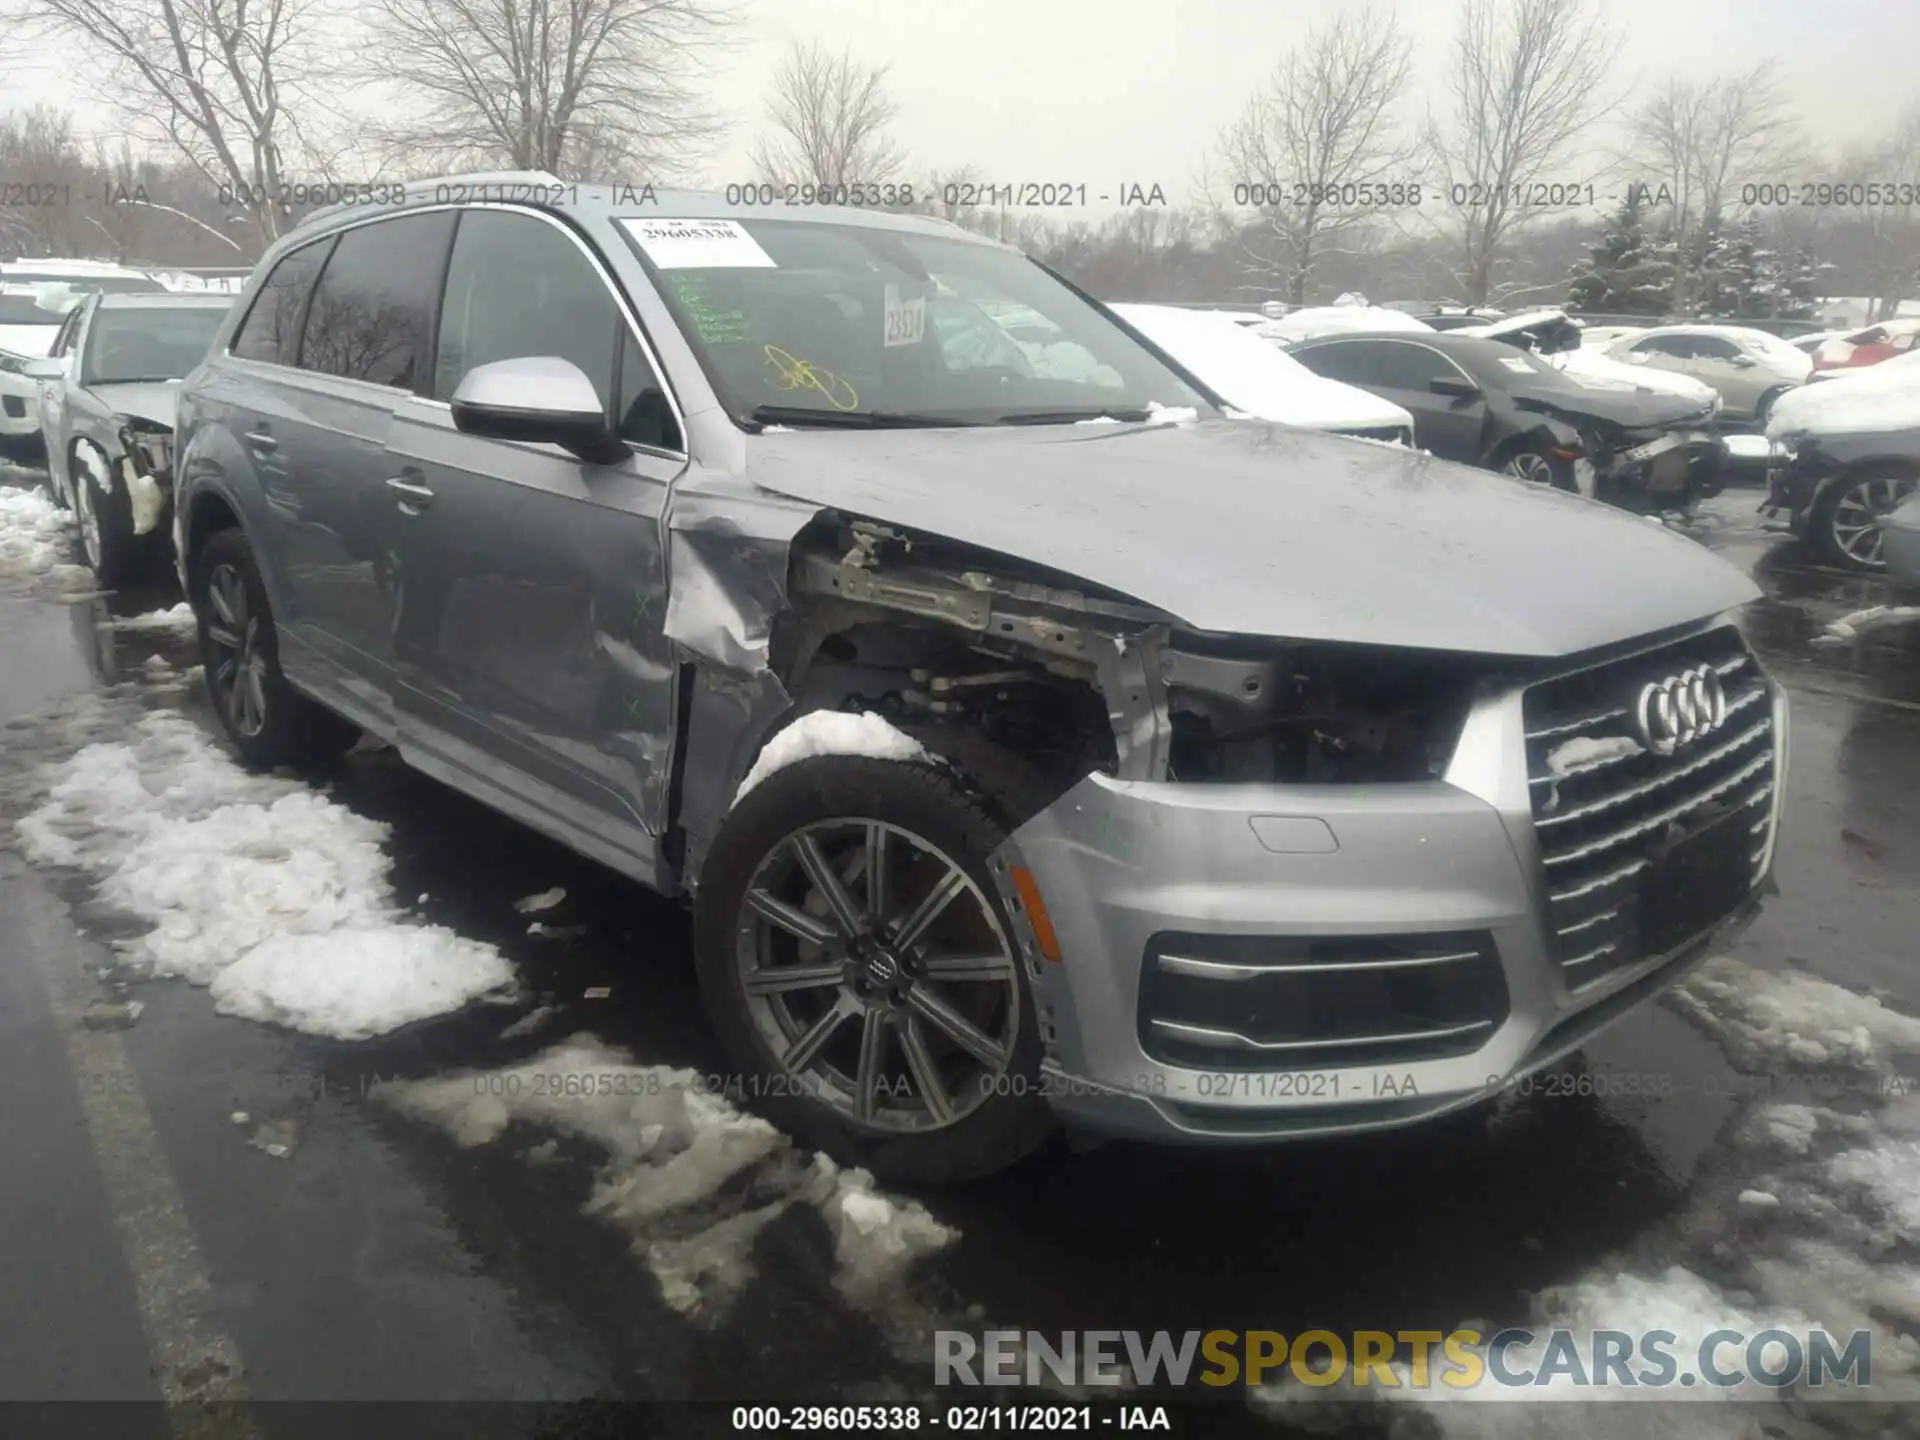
[(539, 399), (45, 368), (1744, 362), (1454, 387)]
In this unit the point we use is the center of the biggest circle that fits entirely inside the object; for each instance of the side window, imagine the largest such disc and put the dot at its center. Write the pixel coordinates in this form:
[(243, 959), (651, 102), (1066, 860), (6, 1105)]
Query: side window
[(1349, 362), (1712, 347), (271, 329), (63, 339), (1408, 367), (518, 286), (373, 308)]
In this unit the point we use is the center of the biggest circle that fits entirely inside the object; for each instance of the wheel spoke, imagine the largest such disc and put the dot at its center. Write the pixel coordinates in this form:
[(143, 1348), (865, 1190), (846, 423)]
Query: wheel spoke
[(790, 918), (877, 898), (784, 979), (220, 635), (997, 966), (801, 1053), (926, 1075), (237, 701), (829, 884), (873, 1048), (908, 932), (962, 1031), (221, 598), (256, 696), (225, 673)]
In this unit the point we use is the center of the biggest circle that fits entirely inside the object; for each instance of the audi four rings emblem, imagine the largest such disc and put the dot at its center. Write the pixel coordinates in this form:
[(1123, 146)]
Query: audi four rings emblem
[(1680, 709)]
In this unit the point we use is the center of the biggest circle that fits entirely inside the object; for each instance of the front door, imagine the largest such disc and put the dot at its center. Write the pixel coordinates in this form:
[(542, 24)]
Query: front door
[(532, 585), (1403, 371)]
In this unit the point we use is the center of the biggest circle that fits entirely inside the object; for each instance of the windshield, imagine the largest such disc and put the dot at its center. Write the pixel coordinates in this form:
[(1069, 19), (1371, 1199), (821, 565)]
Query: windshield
[(156, 343), (801, 323), (35, 298)]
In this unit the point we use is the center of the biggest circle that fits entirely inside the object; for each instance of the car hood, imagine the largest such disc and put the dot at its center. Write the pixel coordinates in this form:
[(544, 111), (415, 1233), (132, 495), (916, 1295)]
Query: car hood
[(1243, 528), (154, 400), (1632, 409), (33, 341)]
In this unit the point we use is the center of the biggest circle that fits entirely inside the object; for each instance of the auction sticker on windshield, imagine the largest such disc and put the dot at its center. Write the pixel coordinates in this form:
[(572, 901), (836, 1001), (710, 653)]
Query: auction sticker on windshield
[(904, 322), (699, 244)]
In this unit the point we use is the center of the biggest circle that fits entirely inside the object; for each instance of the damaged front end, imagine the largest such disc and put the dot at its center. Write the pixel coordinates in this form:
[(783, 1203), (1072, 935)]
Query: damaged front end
[(145, 466), (1656, 467)]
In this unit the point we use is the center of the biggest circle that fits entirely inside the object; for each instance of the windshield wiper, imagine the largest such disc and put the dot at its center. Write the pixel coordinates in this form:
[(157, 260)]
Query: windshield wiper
[(1132, 415), (765, 415)]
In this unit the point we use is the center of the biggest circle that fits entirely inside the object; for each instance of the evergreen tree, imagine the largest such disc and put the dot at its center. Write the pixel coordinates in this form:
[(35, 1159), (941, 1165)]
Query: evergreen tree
[(1737, 279), (1623, 275)]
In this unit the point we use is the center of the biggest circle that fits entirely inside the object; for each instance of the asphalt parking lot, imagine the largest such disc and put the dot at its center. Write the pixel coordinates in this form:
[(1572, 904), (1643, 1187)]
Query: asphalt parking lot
[(199, 1206)]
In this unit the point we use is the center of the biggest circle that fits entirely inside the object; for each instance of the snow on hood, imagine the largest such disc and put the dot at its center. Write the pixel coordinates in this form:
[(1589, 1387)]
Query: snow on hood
[(155, 400), (1317, 320), (1872, 402), (32, 341), (1255, 376), (1602, 373)]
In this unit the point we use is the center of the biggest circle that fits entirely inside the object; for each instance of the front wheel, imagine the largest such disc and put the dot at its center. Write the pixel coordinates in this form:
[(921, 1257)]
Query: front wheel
[(1537, 467), (1844, 524), (861, 972), (269, 722)]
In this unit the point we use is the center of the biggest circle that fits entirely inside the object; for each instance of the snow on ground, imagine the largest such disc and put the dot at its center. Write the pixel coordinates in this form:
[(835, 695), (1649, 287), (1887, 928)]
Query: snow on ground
[(1874, 617), (1804, 1217), (258, 887), (832, 732), (690, 1178), (177, 620), (36, 539)]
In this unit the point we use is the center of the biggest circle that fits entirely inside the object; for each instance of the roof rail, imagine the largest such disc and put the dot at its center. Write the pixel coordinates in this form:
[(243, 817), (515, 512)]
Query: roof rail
[(478, 180)]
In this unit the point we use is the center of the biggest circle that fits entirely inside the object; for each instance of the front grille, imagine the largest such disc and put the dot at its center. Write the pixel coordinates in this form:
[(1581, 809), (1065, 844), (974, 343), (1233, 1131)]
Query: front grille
[(1642, 851), (1294, 1003)]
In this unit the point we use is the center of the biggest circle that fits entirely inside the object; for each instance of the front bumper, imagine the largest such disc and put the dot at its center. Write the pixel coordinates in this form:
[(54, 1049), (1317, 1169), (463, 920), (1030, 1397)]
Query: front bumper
[(1130, 872), (1674, 467), (19, 406)]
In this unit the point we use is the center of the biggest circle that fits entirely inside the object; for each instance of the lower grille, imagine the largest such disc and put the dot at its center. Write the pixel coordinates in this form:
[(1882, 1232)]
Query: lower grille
[(1643, 850), (1259, 1002)]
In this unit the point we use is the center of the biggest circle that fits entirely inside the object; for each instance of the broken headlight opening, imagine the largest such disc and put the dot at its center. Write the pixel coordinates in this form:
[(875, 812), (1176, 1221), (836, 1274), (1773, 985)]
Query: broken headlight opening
[(1314, 714), (149, 446)]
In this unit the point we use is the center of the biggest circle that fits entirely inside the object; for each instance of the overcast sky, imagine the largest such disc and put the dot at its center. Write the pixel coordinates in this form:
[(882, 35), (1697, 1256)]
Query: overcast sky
[(1105, 92)]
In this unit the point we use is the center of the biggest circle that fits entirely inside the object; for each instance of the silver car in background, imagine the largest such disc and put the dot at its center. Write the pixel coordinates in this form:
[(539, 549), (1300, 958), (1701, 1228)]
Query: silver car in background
[(107, 394), (1749, 368), (1032, 747)]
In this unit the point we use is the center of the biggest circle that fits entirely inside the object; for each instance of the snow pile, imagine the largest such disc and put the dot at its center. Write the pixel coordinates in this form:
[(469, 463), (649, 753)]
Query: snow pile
[(1158, 414), (175, 621), (263, 890), (36, 536), (691, 1179), (1792, 1020), (1316, 320), (832, 732)]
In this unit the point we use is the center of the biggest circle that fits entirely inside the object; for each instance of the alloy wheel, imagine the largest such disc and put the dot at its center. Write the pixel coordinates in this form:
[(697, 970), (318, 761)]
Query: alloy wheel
[(878, 975), (238, 673), (1530, 466), (85, 509), (1859, 511)]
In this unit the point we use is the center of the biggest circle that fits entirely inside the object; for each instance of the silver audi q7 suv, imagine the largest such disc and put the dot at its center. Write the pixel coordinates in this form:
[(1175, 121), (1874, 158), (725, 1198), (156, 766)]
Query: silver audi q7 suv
[(1036, 742)]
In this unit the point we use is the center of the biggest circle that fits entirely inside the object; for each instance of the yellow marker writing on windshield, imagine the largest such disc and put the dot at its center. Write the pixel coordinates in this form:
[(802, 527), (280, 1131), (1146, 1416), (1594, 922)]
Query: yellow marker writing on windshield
[(804, 375)]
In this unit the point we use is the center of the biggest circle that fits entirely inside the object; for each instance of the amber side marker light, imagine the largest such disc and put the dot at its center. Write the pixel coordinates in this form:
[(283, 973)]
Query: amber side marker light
[(1028, 890)]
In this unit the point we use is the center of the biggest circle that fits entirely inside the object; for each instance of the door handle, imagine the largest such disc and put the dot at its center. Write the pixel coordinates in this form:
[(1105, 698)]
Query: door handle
[(261, 441), (413, 498)]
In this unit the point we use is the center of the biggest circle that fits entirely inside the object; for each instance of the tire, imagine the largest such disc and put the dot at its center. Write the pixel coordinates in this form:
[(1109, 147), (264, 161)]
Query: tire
[(1533, 465), (269, 722), (937, 827), (1835, 522), (105, 512)]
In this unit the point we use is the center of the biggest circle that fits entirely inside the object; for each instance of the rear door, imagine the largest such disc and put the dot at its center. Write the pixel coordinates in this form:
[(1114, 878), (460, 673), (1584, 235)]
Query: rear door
[(533, 585), (364, 344)]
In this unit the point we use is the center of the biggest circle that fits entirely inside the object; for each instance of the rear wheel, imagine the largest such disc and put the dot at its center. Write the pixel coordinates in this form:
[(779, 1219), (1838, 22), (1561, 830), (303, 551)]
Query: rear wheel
[(861, 973), (269, 722), (1844, 524)]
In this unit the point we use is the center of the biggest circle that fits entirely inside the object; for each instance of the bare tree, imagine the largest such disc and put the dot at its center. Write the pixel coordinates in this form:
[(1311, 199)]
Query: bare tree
[(560, 85), (1525, 78), (1315, 142), (829, 116), (217, 81), (1891, 258), (1701, 140)]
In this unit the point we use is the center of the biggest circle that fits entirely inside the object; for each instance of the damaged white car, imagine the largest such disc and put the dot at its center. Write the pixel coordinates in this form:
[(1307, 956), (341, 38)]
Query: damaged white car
[(106, 401)]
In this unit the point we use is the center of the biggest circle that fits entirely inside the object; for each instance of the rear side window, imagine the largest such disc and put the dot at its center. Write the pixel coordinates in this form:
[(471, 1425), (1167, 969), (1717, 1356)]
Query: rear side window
[(372, 311), (1350, 362), (272, 327)]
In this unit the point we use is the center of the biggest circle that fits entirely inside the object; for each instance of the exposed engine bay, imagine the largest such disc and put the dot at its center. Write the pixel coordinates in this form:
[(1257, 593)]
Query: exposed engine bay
[(920, 630)]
